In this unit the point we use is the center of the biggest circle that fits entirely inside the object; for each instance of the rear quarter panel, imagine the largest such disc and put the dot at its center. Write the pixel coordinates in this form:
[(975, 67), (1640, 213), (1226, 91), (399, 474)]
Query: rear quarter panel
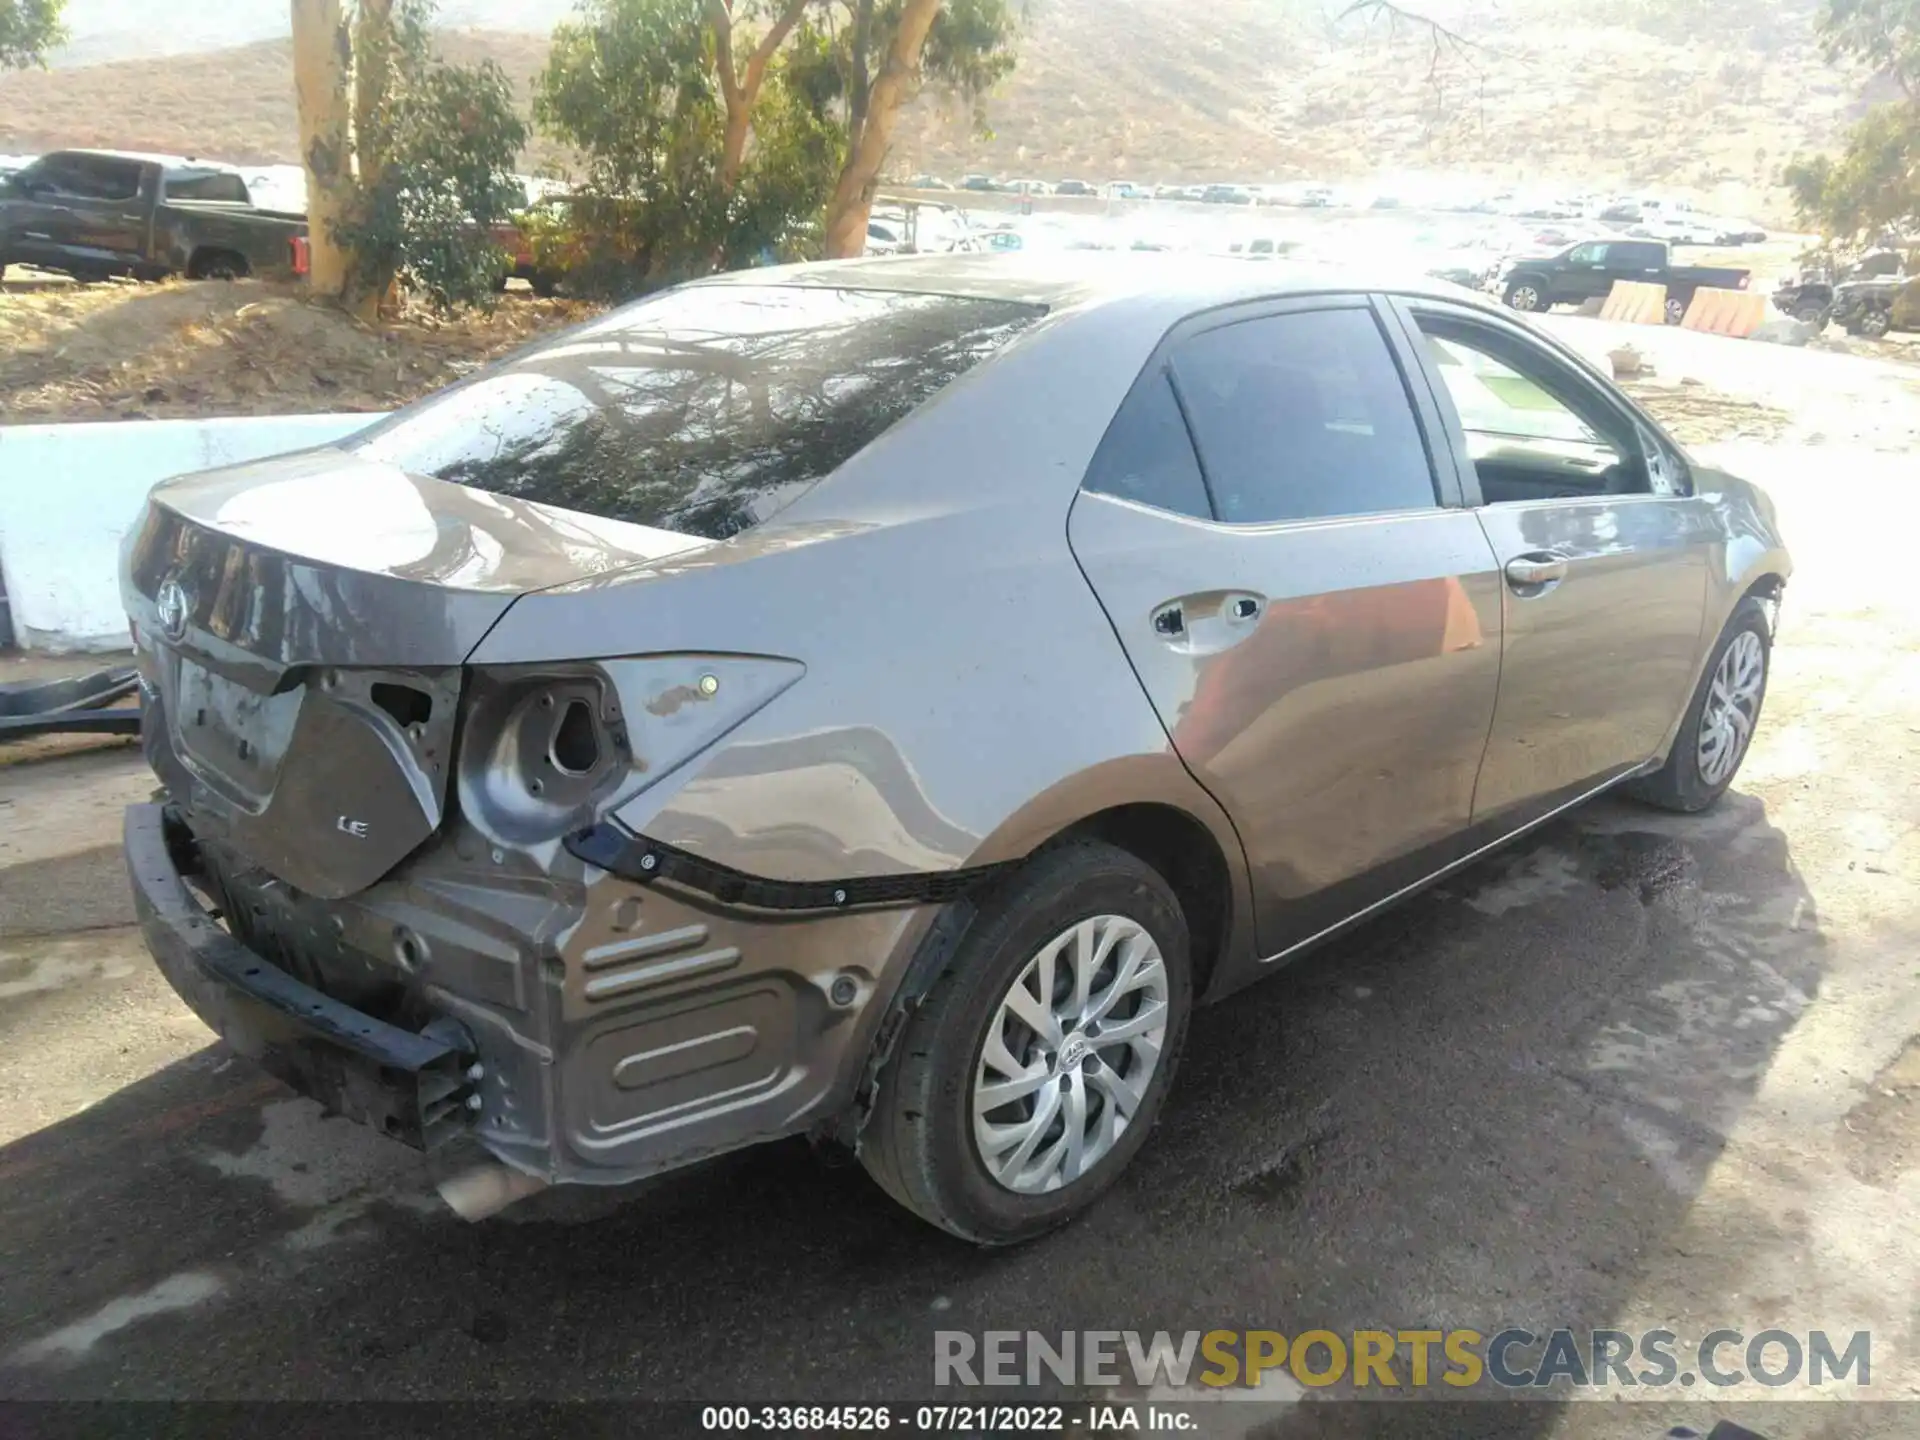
[(965, 696)]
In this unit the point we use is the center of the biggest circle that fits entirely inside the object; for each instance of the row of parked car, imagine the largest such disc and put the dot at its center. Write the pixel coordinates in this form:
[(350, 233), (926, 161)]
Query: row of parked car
[(1644, 217)]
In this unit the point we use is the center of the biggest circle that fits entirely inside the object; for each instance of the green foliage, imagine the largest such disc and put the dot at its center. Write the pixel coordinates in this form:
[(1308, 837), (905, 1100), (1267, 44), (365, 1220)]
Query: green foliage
[(436, 156), (1871, 191), (970, 48), (1884, 34), (633, 86), (28, 29), (1874, 185)]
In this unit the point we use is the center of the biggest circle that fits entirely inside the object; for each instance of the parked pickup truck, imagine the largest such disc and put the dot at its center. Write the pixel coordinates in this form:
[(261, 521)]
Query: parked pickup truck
[(1814, 295), (1587, 271), (1871, 306), (95, 213)]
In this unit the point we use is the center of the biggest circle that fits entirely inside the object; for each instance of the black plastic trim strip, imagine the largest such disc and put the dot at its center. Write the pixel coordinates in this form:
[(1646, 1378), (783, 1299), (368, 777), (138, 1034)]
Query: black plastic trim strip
[(634, 857)]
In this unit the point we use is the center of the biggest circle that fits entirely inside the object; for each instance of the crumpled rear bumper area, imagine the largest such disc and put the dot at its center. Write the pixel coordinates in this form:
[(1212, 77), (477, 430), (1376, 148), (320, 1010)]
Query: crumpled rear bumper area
[(579, 1026), (414, 1088)]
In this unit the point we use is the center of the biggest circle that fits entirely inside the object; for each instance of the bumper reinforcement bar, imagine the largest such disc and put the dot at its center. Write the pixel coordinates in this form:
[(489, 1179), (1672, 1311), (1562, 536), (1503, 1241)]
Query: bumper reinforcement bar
[(634, 857)]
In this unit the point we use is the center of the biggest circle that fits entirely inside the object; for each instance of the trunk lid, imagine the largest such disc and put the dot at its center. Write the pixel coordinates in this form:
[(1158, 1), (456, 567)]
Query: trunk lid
[(303, 622)]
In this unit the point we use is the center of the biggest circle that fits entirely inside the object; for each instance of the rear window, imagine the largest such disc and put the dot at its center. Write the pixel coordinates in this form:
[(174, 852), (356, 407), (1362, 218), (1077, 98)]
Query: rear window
[(705, 410), (215, 185)]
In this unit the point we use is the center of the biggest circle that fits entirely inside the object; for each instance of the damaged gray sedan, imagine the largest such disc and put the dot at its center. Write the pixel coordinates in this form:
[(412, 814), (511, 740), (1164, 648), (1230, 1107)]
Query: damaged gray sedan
[(881, 699)]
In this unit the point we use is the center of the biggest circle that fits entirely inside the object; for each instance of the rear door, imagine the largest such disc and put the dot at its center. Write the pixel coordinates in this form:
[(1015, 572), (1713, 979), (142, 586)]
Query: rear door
[(1315, 617), (1642, 261), (1604, 552)]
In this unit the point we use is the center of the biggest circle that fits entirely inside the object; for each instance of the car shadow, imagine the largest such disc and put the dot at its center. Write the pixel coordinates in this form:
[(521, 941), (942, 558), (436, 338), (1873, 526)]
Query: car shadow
[(1487, 1108)]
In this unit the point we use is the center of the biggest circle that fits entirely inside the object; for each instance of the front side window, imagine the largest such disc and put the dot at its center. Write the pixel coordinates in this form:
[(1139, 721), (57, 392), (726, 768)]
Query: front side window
[(84, 177), (1535, 430), (1588, 255), (99, 177), (1303, 416), (704, 410)]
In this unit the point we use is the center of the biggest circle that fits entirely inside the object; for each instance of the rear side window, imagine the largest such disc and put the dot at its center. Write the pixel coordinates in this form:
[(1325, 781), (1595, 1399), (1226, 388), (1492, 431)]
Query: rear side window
[(213, 186), (704, 410), (1147, 455), (1303, 416)]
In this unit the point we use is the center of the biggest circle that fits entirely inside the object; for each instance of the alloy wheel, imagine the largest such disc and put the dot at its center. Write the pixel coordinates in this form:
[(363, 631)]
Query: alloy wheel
[(1069, 1054), (1524, 297), (1733, 705)]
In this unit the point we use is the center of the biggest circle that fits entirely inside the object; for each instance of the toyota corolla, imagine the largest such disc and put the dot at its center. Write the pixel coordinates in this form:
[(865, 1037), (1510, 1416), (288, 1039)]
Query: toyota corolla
[(882, 699)]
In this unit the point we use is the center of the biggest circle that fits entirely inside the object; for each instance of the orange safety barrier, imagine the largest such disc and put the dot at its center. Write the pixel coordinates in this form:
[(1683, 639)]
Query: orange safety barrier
[(1735, 313), (1636, 303)]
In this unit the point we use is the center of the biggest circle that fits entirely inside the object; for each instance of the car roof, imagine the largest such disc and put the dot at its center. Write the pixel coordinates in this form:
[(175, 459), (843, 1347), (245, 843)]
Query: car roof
[(1084, 278), (170, 162)]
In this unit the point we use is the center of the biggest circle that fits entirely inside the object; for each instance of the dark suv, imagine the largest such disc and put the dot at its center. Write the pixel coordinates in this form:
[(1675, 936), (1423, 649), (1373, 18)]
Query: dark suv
[(96, 213)]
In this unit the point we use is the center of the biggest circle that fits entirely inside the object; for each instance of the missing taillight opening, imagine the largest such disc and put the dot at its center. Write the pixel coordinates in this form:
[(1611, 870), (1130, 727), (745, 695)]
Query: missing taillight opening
[(576, 742), (405, 704)]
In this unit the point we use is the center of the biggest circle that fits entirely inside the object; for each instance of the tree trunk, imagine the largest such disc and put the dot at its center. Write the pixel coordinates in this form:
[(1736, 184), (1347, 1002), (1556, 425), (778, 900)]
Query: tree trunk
[(852, 202), (368, 281), (741, 90), (860, 91), (321, 53)]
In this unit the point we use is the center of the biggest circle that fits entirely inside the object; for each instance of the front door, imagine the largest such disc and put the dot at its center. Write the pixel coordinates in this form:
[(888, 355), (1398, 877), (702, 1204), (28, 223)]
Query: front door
[(1586, 276), (1603, 552), (1316, 622), (109, 215)]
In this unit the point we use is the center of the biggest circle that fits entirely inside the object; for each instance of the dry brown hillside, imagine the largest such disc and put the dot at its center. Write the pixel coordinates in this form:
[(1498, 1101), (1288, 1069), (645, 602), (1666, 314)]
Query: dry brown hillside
[(1707, 95)]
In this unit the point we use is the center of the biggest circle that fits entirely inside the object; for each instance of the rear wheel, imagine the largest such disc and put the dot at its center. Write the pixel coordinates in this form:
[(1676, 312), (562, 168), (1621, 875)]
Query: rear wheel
[(1677, 308), (1813, 313), (217, 265), (1719, 724), (1031, 1073), (1876, 323)]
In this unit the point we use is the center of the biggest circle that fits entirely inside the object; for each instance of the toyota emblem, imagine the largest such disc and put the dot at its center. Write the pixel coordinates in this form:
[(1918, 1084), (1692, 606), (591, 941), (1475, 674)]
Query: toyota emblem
[(173, 609)]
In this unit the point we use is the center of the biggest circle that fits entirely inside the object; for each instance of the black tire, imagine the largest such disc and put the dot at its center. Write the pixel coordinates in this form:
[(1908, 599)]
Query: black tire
[(545, 284), (1679, 785), (1676, 309), (1526, 295), (1813, 313), (917, 1141), (217, 265), (1875, 324)]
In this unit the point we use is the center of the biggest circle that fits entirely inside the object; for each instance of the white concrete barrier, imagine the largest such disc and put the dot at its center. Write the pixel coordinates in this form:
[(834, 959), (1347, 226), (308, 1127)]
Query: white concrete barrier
[(69, 493)]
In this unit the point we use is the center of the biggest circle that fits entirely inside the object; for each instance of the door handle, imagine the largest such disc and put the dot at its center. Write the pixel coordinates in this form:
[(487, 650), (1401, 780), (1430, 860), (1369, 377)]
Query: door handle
[(1540, 567)]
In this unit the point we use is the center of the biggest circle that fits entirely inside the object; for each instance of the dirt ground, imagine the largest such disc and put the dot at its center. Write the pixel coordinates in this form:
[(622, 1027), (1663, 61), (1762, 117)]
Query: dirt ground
[(148, 352), (1638, 1071)]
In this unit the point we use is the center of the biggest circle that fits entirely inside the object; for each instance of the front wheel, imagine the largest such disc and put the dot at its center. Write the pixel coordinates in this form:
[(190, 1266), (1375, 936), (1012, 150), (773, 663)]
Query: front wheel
[(1031, 1073), (1719, 724), (1875, 324), (1525, 296)]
